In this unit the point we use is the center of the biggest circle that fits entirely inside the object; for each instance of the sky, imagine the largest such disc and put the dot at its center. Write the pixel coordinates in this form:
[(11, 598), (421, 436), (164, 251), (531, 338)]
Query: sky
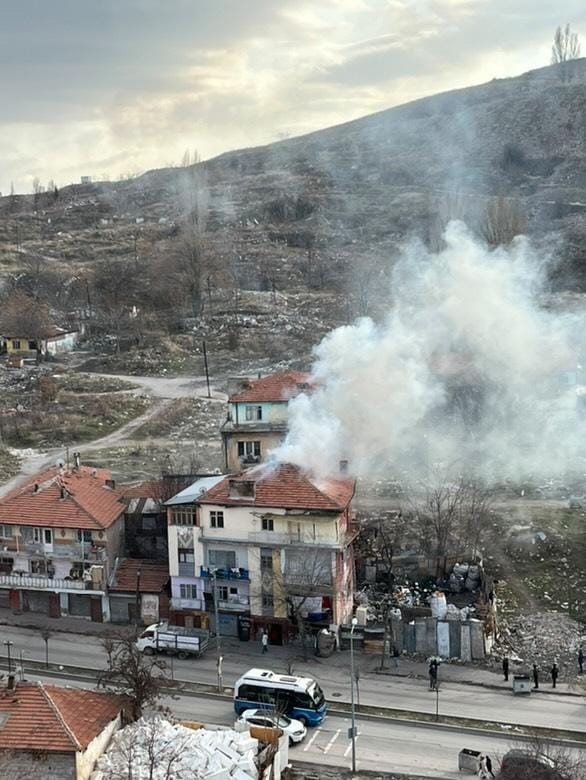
[(111, 88)]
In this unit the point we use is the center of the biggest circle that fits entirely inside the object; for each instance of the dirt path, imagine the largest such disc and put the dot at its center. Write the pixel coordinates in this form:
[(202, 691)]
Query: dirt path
[(164, 390)]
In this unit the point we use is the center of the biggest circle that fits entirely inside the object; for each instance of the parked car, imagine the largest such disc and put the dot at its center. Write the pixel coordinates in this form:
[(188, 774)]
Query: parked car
[(294, 729)]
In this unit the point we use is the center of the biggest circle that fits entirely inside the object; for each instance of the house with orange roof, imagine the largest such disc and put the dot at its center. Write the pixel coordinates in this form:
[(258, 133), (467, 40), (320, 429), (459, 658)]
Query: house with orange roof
[(264, 546), (61, 535), (49, 732), (257, 417)]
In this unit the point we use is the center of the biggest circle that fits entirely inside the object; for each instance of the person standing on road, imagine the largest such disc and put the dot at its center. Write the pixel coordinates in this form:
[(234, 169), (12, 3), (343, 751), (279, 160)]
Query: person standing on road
[(535, 677), (265, 641), (554, 674), (488, 765), (506, 668), (432, 674), (581, 660)]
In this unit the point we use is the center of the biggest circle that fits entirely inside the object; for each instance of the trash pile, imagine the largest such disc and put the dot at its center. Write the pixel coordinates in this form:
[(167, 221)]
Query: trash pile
[(543, 638), (155, 749), (464, 576)]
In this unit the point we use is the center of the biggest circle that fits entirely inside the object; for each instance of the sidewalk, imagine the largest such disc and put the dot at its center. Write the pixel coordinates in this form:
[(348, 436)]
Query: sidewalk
[(279, 657)]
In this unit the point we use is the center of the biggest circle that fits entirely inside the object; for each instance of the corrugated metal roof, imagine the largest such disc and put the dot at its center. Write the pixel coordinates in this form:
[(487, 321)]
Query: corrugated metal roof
[(195, 490)]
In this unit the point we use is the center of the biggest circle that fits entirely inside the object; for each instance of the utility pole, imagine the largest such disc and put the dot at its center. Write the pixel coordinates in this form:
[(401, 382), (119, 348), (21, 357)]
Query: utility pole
[(137, 601), (353, 727), (46, 634), (219, 657), (205, 363)]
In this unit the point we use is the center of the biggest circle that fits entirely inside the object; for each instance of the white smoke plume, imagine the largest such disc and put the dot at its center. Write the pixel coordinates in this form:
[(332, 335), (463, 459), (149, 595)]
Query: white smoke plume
[(465, 369)]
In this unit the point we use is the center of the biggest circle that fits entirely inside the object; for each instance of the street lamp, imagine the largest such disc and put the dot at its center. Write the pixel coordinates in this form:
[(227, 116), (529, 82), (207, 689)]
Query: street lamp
[(219, 657), (353, 727), (8, 644)]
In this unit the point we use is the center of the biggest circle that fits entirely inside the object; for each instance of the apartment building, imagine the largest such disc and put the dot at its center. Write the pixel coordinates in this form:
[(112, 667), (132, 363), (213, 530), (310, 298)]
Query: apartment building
[(262, 541), (60, 536), (257, 417)]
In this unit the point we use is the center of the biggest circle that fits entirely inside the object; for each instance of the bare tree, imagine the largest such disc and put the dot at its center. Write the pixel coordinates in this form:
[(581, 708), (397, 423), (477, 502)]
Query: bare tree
[(24, 317), (452, 513), (539, 758), (566, 47), (503, 220), (130, 673)]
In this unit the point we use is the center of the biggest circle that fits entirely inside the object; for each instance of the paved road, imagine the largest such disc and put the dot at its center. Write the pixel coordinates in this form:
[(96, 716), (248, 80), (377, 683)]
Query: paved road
[(381, 746), (561, 712)]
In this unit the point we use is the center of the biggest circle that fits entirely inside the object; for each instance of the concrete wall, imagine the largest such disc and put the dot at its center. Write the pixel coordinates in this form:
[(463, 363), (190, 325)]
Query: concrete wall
[(22, 765), (85, 761), (269, 440), (448, 638), (274, 413)]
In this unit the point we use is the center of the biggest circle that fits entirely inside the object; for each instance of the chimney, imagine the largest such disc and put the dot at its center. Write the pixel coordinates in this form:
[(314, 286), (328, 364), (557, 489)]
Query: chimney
[(63, 492), (36, 487), (11, 682), (343, 468), (111, 483)]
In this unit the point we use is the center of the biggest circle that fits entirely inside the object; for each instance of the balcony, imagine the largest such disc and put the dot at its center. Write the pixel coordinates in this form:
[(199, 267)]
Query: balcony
[(195, 604), (274, 539), (37, 582), (75, 551), (234, 605), (224, 574)]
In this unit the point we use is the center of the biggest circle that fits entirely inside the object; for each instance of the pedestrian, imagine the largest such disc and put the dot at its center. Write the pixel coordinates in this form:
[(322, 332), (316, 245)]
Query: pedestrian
[(581, 660), (506, 668), (482, 773), (535, 677), (554, 674), (396, 655), (433, 674), (488, 764), (265, 641)]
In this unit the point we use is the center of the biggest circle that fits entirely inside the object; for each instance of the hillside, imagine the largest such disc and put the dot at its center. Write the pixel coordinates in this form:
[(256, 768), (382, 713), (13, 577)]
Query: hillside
[(324, 214)]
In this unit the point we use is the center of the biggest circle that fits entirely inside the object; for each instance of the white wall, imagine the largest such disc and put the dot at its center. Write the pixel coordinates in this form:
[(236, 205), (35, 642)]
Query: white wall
[(86, 759)]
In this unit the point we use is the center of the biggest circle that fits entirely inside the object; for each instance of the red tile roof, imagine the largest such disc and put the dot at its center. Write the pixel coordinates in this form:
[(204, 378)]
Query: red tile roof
[(148, 489), (153, 576), (87, 501), (275, 387), (35, 716), (283, 486)]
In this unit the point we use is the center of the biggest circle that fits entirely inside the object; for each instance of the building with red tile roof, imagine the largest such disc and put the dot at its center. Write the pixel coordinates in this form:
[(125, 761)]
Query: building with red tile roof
[(150, 580), (270, 536), (62, 532), (257, 416), (53, 731)]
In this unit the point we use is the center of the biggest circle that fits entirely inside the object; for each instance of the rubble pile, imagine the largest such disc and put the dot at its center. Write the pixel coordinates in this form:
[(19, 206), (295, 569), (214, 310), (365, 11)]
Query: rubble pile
[(543, 638), (155, 749)]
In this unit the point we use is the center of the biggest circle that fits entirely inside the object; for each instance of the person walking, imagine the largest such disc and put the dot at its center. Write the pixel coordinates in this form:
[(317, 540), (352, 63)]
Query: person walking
[(554, 674), (488, 765), (482, 771), (535, 677), (432, 674), (506, 668), (265, 641), (581, 660)]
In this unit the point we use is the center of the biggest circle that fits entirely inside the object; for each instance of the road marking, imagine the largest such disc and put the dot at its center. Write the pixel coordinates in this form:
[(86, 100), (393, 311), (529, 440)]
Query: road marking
[(349, 748), (312, 740), (332, 740)]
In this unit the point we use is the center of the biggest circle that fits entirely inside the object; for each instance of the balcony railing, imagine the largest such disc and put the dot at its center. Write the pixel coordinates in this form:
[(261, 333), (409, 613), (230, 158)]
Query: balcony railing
[(75, 551), (274, 538), (178, 603), (234, 604), (37, 582), (224, 574)]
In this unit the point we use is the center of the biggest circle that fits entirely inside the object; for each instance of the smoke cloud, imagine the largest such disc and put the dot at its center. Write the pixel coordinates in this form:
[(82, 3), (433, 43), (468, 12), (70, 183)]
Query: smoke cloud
[(465, 369)]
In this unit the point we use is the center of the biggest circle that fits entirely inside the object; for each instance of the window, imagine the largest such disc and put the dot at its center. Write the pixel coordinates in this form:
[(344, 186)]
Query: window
[(268, 600), (15, 343), (222, 592), (249, 449), (233, 591), (149, 523), (222, 559), (268, 524), (188, 591), (266, 560), (217, 519), (84, 536), (32, 344), (253, 413), (183, 515), (6, 531), (185, 555)]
